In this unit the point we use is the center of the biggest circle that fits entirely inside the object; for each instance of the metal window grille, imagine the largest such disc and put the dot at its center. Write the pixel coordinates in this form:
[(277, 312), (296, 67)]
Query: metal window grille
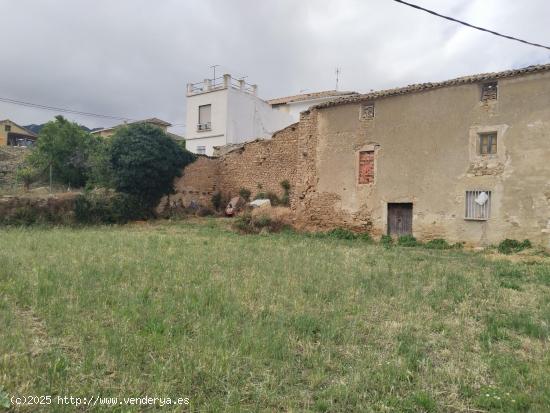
[(201, 150), (476, 210)]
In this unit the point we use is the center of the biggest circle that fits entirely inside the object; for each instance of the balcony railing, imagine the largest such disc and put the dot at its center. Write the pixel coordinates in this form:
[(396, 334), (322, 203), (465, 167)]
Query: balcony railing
[(203, 127), (221, 82)]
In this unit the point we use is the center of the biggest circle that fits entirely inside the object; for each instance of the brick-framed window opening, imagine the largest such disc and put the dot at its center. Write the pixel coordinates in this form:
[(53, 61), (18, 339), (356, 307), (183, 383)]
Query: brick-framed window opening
[(478, 205), (488, 143), (489, 91), (367, 111), (366, 167)]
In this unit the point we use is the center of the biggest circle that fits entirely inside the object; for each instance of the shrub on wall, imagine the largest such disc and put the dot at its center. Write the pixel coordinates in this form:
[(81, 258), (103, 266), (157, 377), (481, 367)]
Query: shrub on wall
[(245, 194)]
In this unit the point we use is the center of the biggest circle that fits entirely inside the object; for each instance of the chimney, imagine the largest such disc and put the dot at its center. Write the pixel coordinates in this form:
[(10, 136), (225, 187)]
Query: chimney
[(226, 80)]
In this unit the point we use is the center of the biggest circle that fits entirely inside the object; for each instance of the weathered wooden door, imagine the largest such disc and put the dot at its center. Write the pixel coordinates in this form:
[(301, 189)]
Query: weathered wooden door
[(400, 219)]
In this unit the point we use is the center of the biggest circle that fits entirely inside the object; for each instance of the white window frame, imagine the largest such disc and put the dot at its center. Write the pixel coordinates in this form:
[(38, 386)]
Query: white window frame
[(474, 211), (205, 124)]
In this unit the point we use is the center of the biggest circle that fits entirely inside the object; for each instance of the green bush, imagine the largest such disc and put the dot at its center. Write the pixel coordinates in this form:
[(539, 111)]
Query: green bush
[(245, 194), (145, 161), (27, 175), (67, 148), (407, 241), (510, 246), (261, 221), (285, 200), (255, 224), (365, 236), (273, 198), (243, 222), (438, 244), (341, 233), (108, 207), (386, 241)]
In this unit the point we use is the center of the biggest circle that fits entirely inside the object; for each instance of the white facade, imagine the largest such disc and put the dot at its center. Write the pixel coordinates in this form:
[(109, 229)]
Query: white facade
[(237, 115), (232, 113)]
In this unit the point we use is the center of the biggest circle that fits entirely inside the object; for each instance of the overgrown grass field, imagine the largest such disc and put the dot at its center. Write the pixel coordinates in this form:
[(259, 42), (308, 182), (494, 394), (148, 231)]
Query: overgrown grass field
[(269, 323)]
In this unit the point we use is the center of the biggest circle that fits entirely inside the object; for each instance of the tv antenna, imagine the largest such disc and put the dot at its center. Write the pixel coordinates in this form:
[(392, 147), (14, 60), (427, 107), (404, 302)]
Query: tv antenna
[(213, 67), (338, 71)]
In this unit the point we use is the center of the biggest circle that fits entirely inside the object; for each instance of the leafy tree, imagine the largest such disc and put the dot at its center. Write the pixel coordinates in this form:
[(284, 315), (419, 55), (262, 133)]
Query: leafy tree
[(66, 147), (145, 161)]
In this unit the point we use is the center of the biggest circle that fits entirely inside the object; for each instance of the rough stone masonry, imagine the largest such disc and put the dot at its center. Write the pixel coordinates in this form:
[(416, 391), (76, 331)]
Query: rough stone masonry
[(352, 160)]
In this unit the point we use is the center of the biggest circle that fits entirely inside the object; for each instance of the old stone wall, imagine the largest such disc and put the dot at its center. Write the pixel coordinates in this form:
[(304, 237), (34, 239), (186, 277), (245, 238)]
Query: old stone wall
[(259, 166)]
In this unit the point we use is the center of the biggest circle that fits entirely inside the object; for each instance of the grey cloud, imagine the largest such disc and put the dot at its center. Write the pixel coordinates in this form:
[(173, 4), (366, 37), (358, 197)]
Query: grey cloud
[(134, 57)]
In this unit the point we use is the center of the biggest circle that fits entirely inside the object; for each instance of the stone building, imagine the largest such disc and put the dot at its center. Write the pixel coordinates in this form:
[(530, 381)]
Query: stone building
[(466, 160)]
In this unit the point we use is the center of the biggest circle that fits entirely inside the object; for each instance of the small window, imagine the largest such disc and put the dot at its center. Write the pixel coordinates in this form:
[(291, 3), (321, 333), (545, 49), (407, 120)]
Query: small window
[(7, 128), (488, 143), (366, 167), (478, 205), (367, 111), (201, 150), (204, 117), (489, 91)]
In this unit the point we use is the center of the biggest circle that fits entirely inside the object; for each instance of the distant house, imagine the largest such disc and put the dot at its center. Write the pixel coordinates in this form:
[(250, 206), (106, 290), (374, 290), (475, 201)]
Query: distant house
[(108, 132), (293, 105), (11, 134), (225, 111)]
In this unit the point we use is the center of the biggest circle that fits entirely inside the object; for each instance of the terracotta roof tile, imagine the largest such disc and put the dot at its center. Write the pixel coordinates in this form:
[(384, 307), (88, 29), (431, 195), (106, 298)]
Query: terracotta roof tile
[(436, 85), (309, 96)]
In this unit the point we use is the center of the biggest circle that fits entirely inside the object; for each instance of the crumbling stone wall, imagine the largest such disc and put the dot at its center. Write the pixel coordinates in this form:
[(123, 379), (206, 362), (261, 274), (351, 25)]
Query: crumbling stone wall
[(259, 166), (262, 165)]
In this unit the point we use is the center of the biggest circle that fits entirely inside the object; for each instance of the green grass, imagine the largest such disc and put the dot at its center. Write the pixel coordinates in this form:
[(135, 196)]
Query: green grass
[(269, 323)]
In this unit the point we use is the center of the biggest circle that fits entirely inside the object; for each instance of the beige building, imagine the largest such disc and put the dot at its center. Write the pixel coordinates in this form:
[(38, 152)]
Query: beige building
[(108, 132), (11, 134), (466, 160)]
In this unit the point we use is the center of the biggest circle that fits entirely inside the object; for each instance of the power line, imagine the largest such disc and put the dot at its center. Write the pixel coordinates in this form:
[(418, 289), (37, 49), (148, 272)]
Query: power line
[(471, 25), (71, 111), (63, 110)]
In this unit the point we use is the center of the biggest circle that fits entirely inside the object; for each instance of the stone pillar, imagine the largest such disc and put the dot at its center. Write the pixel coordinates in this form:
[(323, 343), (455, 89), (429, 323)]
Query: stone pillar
[(241, 84), (207, 85), (254, 90), (226, 80)]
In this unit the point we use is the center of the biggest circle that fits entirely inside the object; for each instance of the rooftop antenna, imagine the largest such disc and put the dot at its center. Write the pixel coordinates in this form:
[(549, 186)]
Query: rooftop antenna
[(213, 67), (338, 71)]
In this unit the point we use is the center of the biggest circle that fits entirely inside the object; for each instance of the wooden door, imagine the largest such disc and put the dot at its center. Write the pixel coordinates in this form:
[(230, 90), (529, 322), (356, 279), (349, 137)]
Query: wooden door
[(400, 219)]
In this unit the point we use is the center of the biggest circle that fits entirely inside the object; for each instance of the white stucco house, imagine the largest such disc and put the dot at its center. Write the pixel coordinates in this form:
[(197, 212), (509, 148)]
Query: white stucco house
[(226, 111)]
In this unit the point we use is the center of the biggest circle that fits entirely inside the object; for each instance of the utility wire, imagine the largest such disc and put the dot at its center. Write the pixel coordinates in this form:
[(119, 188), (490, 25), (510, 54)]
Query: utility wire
[(471, 25), (72, 111), (63, 110)]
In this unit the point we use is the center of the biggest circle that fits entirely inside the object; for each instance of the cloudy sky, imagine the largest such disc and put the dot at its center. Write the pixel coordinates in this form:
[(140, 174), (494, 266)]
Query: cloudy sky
[(133, 58)]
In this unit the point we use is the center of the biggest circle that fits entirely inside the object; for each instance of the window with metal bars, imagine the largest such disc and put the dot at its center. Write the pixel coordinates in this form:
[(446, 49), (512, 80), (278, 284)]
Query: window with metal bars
[(478, 205)]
